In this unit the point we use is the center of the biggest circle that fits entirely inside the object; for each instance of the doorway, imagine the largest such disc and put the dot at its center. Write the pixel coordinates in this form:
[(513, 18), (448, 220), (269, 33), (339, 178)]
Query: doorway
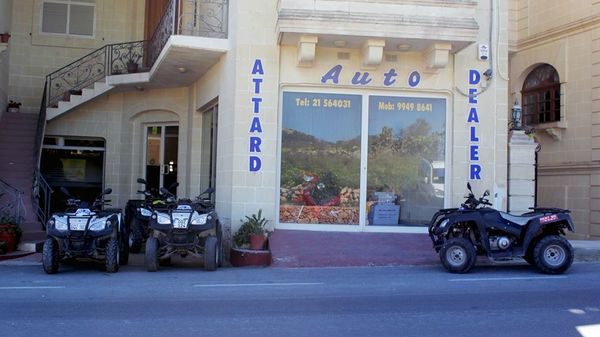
[(161, 157), (208, 158)]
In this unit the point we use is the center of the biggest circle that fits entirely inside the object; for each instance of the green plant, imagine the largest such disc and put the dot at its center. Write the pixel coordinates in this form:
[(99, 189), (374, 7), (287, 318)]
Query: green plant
[(13, 104), (11, 228), (253, 225)]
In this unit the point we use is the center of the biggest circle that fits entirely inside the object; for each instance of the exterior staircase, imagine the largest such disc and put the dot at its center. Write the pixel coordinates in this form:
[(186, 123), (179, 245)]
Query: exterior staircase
[(17, 166), (76, 98)]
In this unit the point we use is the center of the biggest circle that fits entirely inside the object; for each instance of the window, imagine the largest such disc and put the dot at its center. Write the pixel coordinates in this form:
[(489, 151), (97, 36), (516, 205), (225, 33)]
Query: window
[(69, 17), (541, 96), (329, 159)]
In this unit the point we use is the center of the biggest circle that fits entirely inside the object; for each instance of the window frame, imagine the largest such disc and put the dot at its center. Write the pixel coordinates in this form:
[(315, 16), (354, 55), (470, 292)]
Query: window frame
[(542, 110), (68, 3)]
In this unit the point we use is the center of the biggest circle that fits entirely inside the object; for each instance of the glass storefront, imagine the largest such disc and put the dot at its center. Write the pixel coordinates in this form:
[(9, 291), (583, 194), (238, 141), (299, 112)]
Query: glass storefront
[(324, 144)]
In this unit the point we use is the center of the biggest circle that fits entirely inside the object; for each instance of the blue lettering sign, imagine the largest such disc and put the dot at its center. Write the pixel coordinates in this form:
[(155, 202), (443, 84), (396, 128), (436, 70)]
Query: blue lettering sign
[(258, 68), (414, 78), (256, 101), (472, 95), (388, 78), (473, 117), (333, 74), (255, 144), (257, 82), (474, 77), (475, 172), (255, 127), (362, 80), (254, 164), (474, 152), (474, 137)]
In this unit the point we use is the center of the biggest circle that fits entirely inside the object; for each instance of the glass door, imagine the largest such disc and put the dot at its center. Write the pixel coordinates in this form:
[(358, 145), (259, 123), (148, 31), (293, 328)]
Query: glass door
[(161, 156), (208, 161)]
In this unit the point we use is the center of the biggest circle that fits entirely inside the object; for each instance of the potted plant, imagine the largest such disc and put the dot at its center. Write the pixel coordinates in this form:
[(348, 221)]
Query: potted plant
[(253, 232), (4, 37), (13, 106), (250, 243), (132, 62), (10, 233)]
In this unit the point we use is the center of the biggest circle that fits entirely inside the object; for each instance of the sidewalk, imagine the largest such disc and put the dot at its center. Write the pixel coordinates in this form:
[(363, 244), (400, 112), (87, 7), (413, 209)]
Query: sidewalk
[(335, 249)]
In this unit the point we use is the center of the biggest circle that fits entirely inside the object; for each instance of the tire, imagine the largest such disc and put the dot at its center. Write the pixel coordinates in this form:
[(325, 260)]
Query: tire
[(151, 257), (553, 254), (124, 250), (112, 255), (211, 253), (50, 258), (135, 237), (458, 255)]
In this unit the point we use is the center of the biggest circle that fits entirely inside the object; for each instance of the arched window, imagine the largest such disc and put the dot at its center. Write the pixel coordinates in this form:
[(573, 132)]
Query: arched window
[(541, 96)]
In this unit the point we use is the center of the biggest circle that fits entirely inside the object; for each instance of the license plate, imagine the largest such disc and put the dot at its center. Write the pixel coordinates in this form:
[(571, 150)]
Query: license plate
[(180, 220), (78, 224)]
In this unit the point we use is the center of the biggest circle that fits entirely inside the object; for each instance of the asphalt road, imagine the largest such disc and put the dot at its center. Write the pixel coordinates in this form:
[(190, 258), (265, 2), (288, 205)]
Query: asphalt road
[(512, 300)]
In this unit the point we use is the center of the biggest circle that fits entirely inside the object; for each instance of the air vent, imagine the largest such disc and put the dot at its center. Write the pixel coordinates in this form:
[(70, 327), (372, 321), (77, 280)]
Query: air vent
[(343, 55), (391, 58)]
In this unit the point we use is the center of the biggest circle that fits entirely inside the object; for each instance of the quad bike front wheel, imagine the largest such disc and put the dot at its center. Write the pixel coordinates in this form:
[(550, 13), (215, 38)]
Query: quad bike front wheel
[(211, 253), (553, 254), (151, 257), (112, 255), (458, 255), (50, 256)]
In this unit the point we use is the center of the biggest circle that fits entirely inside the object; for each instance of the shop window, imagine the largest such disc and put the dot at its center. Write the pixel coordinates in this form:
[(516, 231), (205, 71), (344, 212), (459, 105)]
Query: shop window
[(69, 17), (541, 96), (320, 158), (322, 144), (405, 176)]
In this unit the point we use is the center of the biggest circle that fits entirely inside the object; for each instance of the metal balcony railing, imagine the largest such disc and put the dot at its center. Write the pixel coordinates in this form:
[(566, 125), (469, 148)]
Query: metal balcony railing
[(206, 18)]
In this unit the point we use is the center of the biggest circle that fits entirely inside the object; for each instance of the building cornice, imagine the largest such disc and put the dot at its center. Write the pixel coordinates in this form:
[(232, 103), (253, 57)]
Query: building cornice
[(557, 33), (585, 168)]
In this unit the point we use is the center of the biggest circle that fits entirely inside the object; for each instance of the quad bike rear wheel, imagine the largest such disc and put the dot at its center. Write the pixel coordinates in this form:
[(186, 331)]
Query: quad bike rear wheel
[(553, 254), (458, 255), (135, 237)]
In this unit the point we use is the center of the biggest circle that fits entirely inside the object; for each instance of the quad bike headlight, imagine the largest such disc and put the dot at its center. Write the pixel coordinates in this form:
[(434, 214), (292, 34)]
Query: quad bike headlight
[(58, 224), (163, 219), (144, 212), (443, 224), (98, 225), (199, 219)]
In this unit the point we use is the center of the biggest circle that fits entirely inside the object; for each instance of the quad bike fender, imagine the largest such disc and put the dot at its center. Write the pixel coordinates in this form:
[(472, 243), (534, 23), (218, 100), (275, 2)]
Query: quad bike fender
[(551, 223)]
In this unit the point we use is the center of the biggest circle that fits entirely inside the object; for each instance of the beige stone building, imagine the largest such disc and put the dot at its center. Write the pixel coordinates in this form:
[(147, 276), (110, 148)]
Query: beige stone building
[(553, 48), (329, 115)]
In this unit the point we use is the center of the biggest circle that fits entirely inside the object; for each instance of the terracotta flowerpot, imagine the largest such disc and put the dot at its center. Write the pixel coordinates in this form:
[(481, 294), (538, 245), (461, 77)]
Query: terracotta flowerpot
[(246, 257), (4, 37), (257, 242), (11, 241)]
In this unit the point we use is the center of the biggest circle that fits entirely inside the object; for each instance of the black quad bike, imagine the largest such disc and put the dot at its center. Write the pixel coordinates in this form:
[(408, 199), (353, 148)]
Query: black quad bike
[(460, 234), (138, 212), (189, 227), (85, 231)]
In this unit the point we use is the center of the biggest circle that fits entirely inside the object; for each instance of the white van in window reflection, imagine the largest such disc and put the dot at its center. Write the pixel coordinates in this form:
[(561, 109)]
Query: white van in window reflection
[(437, 178)]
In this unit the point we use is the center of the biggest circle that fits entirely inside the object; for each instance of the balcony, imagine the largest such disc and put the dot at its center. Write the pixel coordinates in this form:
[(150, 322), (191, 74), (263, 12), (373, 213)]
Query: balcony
[(408, 25), (189, 39)]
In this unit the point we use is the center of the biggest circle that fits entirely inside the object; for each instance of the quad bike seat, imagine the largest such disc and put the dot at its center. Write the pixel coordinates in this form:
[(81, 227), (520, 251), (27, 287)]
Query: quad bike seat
[(518, 219)]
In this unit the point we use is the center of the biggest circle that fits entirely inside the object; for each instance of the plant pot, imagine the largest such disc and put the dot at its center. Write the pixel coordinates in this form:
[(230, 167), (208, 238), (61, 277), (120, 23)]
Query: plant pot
[(12, 109), (4, 37), (257, 242), (132, 67), (10, 240), (246, 257)]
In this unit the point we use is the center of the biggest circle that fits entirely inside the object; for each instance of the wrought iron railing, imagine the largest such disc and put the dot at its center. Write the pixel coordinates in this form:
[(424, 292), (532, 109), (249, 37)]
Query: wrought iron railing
[(12, 209), (207, 18), (41, 197), (41, 191)]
